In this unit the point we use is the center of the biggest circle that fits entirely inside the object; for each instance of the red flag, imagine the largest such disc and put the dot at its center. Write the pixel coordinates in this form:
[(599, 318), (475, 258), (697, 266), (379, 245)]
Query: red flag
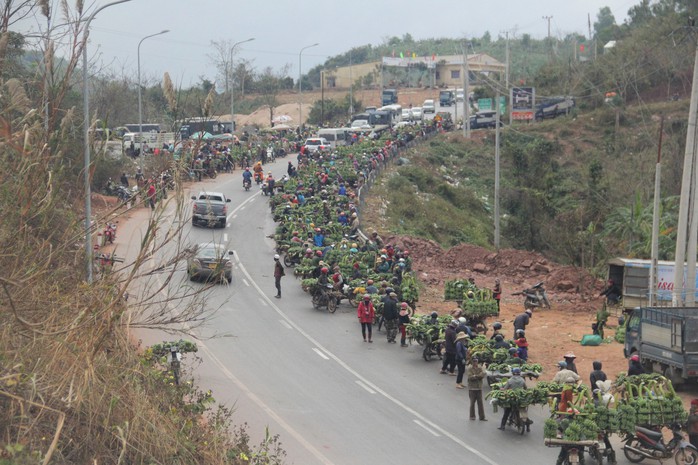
[(581, 48), (433, 57)]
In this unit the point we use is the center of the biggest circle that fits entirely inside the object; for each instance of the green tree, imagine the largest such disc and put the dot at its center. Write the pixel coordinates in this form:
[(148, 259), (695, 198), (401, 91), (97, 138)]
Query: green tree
[(605, 26)]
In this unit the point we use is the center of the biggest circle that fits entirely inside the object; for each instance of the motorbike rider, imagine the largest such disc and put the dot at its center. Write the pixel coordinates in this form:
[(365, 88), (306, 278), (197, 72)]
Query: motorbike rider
[(271, 182), (463, 327), (258, 171), (515, 382), (500, 343), (568, 379), (514, 357), (497, 327), (370, 287), (318, 238), (246, 177)]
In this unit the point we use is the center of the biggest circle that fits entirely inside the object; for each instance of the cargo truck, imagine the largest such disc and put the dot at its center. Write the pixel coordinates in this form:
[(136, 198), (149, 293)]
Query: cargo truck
[(632, 276), (666, 339)]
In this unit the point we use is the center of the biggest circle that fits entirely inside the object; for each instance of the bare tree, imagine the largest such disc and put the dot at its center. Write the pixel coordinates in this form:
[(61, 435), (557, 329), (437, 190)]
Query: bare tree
[(221, 59), (269, 84)]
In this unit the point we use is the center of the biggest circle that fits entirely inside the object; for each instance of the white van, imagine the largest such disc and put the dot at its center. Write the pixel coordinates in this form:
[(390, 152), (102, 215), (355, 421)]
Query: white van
[(335, 136)]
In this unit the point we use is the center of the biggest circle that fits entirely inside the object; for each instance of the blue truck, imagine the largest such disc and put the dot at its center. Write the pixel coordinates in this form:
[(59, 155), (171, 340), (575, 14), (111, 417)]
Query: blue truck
[(666, 339)]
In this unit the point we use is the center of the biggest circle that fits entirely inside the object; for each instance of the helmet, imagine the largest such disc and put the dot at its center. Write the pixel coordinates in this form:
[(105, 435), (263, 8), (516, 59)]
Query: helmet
[(403, 305), (513, 350), (308, 250), (462, 320), (369, 282), (562, 364), (634, 358), (497, 325), (319, 253), (317, 230), (570, 355), (247, 169), (454, 322), (367, 296), (434, 314), (354, 245), (324, 269), (520, 332), (516, 371), (294, 233), (471, 294), (529, 311), (276, 256), (499, 338)]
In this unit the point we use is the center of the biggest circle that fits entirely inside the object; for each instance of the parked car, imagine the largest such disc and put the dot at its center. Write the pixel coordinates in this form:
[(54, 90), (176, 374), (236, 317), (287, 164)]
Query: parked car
[(316, 143), (360, 124), (428, 106), (484, 119), (460, 94), (417, 113), (210, 209), (210, 261), (406, 115)]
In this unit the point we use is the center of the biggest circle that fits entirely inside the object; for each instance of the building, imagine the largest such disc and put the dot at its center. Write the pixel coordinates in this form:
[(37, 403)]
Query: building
[(443, 71)]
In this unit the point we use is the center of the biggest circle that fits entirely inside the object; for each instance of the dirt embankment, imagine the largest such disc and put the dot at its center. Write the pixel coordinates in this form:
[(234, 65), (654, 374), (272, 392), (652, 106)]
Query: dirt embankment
[(573, 294)]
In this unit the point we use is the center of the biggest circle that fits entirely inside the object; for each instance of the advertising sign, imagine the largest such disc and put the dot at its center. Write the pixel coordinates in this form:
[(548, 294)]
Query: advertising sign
[(523, 103)]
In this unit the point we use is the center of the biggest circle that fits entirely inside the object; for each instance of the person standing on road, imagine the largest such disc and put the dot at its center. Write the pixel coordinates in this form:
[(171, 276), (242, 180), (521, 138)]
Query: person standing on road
[(366, 313), (390, 316), (497, 292), (569, 358), (449, 363), (404, 320), (461, 355), (151, 194), (278, 274), (522, 320), (596, 375), (475, 376)]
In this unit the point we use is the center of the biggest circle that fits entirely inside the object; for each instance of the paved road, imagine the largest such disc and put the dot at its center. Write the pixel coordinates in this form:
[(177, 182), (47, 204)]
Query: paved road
[(309, 376)]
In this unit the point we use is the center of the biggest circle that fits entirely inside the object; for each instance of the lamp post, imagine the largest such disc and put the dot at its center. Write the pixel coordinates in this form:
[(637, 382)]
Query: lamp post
[(140, 107), (300, 83), (86, 141), (232, 83)]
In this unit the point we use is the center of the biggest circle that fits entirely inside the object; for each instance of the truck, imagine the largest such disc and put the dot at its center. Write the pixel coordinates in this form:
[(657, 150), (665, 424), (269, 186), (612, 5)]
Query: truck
[(389, 97), (632, 276), (447, 98), (666, 340), (553, 107), (210, 209)]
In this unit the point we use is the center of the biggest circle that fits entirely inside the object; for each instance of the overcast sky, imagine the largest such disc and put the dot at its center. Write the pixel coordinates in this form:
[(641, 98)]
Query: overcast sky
[(281, 28)]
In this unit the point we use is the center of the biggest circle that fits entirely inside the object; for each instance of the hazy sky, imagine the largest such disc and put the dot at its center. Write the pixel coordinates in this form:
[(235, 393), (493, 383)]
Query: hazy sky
[(281, 28)]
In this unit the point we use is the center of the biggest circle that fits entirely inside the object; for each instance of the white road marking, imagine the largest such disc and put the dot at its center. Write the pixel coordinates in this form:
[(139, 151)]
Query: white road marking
[(225, 238), (295, 434), (235, 216), (246, 283), (284, 323), (239, 207), (242, 207), (434, 433), (370, 391), (263, 302), (319, 352), (357, 375)]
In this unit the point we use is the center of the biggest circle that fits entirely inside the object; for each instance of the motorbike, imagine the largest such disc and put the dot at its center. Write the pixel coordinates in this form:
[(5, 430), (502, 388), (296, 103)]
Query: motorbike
[(535, 297), (109, 233), (265, 189), (258, 177), (432, 348), (123, 193), (602, 449), (324, 296), (293, 259), (649, 444), (247, 183)]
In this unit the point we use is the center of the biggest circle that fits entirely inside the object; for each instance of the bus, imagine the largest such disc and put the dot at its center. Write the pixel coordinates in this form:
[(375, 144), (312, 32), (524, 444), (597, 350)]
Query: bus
[(147, 127)]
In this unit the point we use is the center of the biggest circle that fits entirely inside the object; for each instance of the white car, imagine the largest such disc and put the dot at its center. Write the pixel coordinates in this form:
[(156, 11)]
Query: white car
[(316, 143), (406, 115), (459, 95), (360, 124), (417, 113), (428, 106)]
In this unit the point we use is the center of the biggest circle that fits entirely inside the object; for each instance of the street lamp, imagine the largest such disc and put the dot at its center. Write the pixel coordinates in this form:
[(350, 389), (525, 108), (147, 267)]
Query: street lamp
[(140, 107), (232, 84), (300, 83), (86, 141)]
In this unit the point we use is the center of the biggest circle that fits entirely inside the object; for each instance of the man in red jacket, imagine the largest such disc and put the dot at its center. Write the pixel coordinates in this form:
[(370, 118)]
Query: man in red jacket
[(366, 313)]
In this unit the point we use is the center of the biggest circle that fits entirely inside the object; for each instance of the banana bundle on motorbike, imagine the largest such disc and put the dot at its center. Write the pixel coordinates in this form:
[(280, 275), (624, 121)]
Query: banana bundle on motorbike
[(477, 304)]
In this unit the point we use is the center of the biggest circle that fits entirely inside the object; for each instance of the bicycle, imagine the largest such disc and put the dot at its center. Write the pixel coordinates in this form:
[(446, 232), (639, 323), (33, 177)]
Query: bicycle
[(175, 359), (518, 418)]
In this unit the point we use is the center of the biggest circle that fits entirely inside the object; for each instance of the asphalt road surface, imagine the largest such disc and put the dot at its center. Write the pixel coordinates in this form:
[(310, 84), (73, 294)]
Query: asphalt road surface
[(307, 374)]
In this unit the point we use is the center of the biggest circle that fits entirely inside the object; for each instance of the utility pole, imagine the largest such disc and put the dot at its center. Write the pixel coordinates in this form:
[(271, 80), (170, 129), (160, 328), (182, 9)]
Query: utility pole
[(507, 62), (466, 94), (550, 43), (655, 220), (351, 88), (687, 208), (496, 172)]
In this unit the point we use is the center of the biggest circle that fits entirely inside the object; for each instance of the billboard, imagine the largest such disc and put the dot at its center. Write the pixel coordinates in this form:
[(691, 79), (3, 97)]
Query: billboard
[(523, 103)]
